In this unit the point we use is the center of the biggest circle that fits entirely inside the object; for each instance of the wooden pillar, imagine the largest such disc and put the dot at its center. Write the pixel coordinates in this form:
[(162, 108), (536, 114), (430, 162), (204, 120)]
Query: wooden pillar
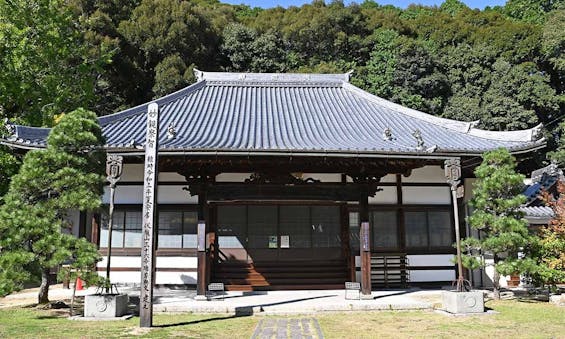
[(345, 247), (201, 248), (95, 230), (365, 238)]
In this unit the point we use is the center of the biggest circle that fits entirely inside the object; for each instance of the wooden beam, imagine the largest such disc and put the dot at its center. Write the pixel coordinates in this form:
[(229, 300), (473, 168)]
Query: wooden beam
[(307, 191)]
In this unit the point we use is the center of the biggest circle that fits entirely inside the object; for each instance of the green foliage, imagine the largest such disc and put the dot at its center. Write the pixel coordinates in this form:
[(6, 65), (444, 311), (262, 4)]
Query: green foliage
[(9, 165), (249, 51), (34, 231), (47, 66), (165, 37), (559, 154), (548, 252), (533, 11), (81, 266), (453, 7), (382, 64), (496, 215), (172, 74), (406, 71)]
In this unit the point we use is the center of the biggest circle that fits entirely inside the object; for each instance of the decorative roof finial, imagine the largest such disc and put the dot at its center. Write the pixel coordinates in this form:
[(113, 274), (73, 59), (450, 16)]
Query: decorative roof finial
[(537, 132), (198, 74), (420, 141), (387, 135), (171, 131), (348, 75)]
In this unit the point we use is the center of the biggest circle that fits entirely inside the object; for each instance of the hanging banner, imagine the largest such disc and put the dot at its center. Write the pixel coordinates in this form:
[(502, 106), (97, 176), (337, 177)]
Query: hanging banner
[(149, 217)]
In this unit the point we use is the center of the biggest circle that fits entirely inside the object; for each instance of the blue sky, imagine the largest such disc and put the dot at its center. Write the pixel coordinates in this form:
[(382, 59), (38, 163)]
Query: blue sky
[(399, 3)]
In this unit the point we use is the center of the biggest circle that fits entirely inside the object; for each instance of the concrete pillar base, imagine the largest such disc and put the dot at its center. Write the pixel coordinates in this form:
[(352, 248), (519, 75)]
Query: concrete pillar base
[(200, 298)]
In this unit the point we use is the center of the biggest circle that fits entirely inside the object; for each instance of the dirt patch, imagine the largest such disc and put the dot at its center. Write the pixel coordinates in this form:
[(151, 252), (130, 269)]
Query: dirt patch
[(28, 296), (138, 331)]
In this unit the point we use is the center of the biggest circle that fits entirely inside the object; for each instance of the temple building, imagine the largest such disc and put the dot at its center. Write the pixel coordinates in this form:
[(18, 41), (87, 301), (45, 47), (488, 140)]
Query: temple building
[(283, 170)]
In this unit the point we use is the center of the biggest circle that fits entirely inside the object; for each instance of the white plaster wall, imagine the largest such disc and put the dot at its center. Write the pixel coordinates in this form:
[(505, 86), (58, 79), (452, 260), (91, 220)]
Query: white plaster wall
[(389, 178), (232, 177), (426, 195), (175, 278), (161, 278), (175, 195), (489, 271), (170, 176), (161, 262), (134, 172), (430, 259), (426, 174), (134, 277), (165, 195), (386, 196), (432, 275)]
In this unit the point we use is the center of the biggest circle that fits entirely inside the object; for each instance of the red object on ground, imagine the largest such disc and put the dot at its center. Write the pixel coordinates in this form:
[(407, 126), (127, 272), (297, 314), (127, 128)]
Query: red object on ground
[(79, 284)]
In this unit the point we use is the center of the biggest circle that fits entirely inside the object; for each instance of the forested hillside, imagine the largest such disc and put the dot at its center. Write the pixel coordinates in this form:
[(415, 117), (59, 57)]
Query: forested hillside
[(504, 66)]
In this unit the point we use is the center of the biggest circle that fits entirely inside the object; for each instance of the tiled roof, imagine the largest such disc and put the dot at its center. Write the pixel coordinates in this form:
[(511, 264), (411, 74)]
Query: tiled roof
[(291, 113), (537, 214)]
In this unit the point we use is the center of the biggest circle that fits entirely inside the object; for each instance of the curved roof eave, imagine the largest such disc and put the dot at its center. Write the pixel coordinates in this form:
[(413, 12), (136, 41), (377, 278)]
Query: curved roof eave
[(329, 153), (517, 141), (527, 135)]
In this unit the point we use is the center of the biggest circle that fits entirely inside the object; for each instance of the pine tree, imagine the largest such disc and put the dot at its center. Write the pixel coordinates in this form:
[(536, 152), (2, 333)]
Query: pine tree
[(67, 175), (503, 231)]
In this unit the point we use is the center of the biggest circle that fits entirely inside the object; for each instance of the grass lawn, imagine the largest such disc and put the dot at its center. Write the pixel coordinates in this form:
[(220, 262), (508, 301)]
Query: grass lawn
[(516, 319)]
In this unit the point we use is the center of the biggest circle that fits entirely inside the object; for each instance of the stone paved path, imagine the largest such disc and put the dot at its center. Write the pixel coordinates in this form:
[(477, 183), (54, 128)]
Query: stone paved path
[(287, 328)]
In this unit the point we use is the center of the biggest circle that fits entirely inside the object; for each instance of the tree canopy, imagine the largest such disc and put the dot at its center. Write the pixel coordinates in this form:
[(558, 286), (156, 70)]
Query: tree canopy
[(496, 215), (503, 66), (34, 230)]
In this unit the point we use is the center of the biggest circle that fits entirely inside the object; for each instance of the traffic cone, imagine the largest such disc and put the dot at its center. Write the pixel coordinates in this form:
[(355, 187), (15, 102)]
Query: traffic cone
[(79, 284)]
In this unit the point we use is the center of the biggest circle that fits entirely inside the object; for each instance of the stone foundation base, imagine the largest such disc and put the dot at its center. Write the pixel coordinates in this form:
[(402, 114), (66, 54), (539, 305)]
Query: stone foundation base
[(463, 302), (105, 305)]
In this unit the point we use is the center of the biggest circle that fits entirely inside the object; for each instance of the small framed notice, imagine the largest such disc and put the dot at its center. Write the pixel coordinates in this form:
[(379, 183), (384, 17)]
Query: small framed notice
[(285, 241), (273, 243), (201, 237), (365, 237)]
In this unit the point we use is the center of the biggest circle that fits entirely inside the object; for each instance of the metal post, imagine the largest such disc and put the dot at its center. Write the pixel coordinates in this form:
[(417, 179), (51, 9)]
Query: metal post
[(150, 185), (114, 166), (453, 174)]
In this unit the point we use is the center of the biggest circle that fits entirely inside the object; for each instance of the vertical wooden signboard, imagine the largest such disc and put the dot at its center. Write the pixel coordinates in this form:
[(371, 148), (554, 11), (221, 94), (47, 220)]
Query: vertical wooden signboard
[(365, 259), (148, 217)]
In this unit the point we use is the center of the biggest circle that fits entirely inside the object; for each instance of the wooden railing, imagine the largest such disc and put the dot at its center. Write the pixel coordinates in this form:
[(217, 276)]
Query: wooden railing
[(389, 270)]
